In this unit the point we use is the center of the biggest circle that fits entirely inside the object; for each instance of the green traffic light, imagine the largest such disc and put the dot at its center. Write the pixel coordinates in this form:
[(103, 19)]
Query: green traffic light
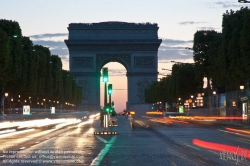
[(110, 89), (105, 79)]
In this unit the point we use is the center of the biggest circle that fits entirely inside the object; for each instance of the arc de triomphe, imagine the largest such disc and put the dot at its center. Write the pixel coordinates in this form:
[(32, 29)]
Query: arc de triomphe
[(92, 45)]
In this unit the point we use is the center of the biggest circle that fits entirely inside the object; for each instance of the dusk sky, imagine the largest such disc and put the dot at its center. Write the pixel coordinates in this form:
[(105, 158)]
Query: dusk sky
[(46, 22)]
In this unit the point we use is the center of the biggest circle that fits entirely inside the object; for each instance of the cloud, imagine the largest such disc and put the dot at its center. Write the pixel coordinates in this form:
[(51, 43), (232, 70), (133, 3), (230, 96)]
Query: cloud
[(48, 35), (56, 47), (230, 4), (171, 49), (190, 22), (117, 72), (51, 44), (206, 28)]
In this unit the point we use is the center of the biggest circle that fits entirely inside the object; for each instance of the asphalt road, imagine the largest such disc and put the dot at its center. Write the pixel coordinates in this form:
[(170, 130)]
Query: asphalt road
[(145, 142)]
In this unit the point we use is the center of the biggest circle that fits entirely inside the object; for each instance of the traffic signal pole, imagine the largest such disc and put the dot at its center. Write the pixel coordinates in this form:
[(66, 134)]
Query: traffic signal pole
[(107, 107), (105, 94), (110, 92), (105, 80)]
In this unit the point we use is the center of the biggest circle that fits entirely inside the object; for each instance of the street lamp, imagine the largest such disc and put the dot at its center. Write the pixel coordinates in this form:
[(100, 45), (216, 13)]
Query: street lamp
[(44, 104), (179, 100), (11, 100), (6, 95), (242, 87)]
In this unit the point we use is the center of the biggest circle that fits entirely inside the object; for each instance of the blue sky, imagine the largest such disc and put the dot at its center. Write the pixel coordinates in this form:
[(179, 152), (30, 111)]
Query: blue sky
[(46, 22)]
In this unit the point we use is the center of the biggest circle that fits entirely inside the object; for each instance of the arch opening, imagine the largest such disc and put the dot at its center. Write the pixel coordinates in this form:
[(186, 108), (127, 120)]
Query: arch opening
[(118, 79)]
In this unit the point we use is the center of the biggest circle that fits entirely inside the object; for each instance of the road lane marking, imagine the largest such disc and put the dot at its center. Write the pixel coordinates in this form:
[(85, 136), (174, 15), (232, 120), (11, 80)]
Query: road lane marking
[(7, 131), (15, 133), (234, 133), (173, 164), (103, 152), (103, 140)]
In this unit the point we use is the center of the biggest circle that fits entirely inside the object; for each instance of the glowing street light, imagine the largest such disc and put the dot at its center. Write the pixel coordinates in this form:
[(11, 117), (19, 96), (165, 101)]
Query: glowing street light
[(6, 95)]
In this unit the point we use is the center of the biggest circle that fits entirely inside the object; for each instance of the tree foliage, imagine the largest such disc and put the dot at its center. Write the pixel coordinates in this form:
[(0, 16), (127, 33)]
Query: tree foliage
[(181, 83), (31, 71), (4, 57)]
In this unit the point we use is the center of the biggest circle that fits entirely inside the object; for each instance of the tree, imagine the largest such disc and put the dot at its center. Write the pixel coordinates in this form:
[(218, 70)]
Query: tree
[(57, 77), (32, 69), (4, 57), (4, 61), (13, 72), (181, 83), (204, 57)]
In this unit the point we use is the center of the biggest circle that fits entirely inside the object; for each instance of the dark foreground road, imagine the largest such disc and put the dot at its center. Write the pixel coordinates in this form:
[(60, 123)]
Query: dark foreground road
[(146, 143)]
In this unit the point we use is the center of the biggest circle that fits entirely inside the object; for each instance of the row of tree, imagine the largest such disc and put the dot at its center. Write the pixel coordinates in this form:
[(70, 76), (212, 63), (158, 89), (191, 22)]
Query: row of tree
[(182, 83), (31, 71), (222, 58)]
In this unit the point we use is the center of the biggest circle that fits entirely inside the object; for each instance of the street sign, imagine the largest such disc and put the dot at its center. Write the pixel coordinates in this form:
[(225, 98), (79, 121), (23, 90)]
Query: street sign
[(52, 109), (26, 110)]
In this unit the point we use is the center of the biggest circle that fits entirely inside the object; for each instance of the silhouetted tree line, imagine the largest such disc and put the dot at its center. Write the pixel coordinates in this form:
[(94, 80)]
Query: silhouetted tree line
[(31, 71), (182, 83), (222, 58)]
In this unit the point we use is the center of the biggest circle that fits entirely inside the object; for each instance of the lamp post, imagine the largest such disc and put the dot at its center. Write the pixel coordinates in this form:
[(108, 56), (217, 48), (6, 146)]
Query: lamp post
[(44, 104), (30, 101), (11, 100), (6, 95), (216, 102), (57, 104)]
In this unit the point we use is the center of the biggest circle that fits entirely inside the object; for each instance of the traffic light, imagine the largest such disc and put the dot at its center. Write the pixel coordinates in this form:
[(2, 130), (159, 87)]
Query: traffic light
[(106, 109), (105, 77), (113, 104), (110, 110), (110, 89)]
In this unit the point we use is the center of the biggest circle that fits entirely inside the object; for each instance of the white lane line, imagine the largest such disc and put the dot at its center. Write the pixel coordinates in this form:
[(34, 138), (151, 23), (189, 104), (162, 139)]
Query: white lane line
[(103, 140), (214, 152), (7, 131), (104, 151), (15, 133), (233, 133)]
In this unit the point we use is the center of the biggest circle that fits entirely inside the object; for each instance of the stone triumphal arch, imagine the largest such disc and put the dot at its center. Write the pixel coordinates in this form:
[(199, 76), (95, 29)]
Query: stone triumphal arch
[(92, 45)]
